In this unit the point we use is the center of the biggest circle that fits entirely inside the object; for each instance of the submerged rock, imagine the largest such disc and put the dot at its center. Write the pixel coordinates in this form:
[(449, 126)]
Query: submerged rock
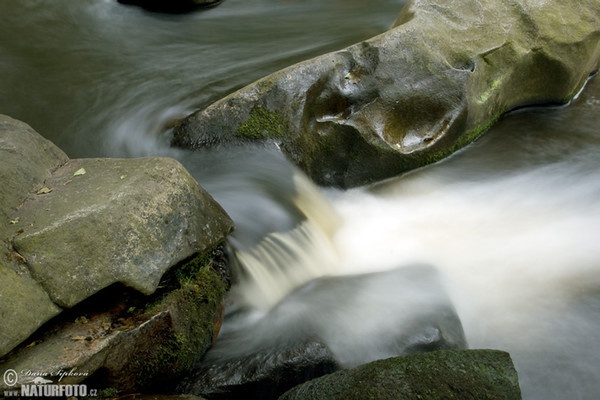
[(330, 323), (413, 95), (172, 6), (447, 374), (80, 239), (367, 317)]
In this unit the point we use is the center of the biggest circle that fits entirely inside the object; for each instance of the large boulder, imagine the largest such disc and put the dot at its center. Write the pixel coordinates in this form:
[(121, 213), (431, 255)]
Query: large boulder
[(82, 237), (444, 374), (26, 160), (123, 220), (430, 85)]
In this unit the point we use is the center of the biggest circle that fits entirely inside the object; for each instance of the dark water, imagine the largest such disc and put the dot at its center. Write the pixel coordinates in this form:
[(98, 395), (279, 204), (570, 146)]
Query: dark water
[(102, 79), (511, 223)]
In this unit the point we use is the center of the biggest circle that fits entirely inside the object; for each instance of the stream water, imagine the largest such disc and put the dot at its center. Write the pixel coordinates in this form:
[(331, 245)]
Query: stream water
[(511, 223)]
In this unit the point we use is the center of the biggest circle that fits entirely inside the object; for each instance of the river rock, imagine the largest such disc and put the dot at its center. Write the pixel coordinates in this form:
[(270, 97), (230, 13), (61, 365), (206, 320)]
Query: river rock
[(79, 237), (26, 159), (128, 342), (446, 374), (262, 374), (172, 6), (123, 220), (442, 75)]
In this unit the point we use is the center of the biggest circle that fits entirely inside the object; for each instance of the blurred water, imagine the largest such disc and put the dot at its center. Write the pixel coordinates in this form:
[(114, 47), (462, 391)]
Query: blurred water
[(511, 223), (100, 78)]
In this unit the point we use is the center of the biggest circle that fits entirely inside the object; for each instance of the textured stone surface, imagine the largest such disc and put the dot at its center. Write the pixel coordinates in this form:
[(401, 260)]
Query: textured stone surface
[(73, 228), (24, 305), (34, 165), (447, 374), (128, 342), (124, 220), (437, 80)]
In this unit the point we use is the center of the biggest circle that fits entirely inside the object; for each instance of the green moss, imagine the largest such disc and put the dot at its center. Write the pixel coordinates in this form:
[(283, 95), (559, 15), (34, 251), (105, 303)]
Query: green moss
[(447, 374), (262, 124), (463, 140), (192, 295), (107, 393)]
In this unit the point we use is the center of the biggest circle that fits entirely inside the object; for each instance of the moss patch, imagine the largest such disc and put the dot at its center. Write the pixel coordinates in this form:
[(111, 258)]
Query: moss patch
[(262, 124), (195, 308), (448, 374), (165, 334)]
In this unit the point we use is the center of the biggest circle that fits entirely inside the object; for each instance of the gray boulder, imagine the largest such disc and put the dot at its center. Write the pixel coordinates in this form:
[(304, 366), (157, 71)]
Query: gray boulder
[(24, 304), (443, 74), (123, 220), (444, 374), (81, 237)]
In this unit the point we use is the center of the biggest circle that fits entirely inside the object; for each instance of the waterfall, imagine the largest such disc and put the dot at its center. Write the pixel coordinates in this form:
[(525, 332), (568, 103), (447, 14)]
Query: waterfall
[(282, 261), (510, 224)]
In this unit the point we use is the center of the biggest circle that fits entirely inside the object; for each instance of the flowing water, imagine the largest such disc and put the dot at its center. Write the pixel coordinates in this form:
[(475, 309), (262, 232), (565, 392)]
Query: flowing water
[(510, 224)]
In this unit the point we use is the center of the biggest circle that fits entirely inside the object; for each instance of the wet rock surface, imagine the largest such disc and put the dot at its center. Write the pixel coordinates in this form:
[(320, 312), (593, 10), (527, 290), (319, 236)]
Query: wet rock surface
[(447, 374), (430, 85), (266, 373), (328, 324)]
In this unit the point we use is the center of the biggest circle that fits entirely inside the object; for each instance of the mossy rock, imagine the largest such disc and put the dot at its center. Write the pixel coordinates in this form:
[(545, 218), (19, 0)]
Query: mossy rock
[(433, 83), (121, 341), (445, 374), (86, 245)]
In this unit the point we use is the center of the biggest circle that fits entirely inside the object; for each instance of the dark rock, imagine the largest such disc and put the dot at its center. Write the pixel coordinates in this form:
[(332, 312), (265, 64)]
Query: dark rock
[(433, 83), (263, 374), (447, 374), (172, 6)]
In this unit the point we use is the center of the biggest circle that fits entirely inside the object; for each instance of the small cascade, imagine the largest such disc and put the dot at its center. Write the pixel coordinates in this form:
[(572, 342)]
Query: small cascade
[(282, 261)]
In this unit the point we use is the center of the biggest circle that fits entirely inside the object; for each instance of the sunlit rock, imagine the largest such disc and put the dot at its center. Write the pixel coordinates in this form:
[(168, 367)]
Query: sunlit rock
[(443, 74)]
